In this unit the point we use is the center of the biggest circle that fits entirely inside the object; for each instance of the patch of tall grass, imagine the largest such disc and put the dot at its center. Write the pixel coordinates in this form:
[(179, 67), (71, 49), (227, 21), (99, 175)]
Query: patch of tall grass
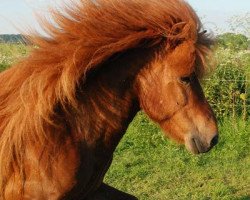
[(227, 88)]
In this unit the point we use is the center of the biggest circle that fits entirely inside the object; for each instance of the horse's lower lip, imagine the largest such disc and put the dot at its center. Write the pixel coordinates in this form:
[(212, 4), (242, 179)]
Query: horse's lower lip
[(195, 149), (195, 146), (200, 148)]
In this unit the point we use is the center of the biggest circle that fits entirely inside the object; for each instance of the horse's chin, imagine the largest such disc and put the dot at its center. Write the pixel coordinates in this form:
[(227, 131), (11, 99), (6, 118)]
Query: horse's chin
[(196, 146)]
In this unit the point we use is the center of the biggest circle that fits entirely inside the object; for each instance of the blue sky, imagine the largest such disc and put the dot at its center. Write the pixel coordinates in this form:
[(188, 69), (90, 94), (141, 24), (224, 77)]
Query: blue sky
[(19, 14)]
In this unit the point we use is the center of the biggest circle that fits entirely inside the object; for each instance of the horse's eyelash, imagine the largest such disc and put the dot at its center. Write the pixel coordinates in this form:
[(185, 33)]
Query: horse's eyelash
[(187, 79)]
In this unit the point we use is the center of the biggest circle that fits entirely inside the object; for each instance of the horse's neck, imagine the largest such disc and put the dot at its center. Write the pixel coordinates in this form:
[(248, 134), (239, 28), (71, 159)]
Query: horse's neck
[(106, 116), (108, 102)]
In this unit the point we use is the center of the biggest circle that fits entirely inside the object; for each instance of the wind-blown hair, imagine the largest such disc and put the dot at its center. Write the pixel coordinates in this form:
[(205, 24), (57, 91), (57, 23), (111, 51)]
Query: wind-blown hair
[(81, 38)]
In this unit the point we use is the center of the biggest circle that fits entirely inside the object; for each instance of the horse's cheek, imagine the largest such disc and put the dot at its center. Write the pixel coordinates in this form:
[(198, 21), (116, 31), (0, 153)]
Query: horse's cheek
[(175, 98)]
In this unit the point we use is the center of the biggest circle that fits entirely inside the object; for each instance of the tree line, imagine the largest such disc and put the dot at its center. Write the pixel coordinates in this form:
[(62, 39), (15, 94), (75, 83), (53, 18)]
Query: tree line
[(11, 38)]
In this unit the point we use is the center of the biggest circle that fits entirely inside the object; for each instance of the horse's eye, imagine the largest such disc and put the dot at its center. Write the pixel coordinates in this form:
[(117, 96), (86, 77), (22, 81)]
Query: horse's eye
[(186, 80)]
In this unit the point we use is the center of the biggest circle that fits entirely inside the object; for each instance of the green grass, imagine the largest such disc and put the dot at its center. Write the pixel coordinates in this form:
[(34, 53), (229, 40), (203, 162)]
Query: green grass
[(152, 167)]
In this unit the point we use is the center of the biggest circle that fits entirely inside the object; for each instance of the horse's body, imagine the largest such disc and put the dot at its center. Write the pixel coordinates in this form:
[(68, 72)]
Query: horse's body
[(64, 109)]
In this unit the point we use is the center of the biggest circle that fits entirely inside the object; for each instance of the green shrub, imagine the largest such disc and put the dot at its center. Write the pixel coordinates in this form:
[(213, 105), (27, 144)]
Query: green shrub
[(233, 41), (227, 88)]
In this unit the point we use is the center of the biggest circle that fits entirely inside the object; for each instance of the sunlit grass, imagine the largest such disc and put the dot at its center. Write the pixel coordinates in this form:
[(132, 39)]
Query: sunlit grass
[(152, 167)]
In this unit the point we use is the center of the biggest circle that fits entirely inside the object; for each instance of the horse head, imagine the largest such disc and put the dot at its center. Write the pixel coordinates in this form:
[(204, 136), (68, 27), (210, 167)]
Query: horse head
[(170, 93)]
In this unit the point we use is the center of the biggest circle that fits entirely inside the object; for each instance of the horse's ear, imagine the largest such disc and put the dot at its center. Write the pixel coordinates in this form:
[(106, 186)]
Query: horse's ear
[(182, 55)]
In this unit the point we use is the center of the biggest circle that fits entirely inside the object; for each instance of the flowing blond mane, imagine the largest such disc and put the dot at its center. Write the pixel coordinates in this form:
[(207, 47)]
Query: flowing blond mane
[(81, 38)]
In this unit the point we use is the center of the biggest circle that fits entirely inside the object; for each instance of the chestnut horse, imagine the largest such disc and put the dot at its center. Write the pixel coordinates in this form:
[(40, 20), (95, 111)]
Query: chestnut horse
[(65, 107)]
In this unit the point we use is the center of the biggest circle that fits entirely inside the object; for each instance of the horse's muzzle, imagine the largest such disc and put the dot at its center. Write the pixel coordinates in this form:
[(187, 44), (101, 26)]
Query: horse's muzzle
[(196, 146)]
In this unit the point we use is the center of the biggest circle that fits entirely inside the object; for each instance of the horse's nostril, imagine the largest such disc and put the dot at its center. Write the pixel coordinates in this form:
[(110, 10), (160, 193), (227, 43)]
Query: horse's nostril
[(215, 140)]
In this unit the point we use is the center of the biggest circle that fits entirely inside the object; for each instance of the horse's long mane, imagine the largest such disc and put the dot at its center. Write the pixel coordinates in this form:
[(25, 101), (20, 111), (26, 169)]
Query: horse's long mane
[(81, 38)]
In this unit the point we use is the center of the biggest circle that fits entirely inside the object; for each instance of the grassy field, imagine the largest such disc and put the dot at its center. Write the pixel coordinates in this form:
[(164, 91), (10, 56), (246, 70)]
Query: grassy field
[(152, 167)]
